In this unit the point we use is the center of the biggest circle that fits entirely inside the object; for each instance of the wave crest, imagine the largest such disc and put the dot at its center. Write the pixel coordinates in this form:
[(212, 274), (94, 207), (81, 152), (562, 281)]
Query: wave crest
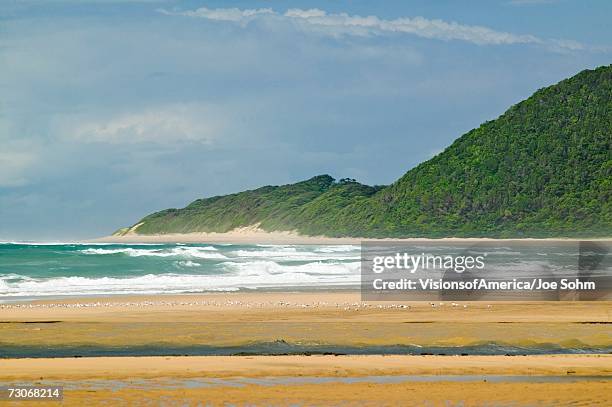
[(207, 252)]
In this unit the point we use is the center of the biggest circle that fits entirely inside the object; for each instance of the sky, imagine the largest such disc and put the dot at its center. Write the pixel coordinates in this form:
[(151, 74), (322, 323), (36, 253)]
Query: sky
[(110, 110)]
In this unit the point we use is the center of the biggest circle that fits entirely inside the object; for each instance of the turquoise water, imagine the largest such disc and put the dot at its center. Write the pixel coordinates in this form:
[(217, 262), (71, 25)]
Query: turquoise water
[(34, 270), (30, 270), (37, 270)]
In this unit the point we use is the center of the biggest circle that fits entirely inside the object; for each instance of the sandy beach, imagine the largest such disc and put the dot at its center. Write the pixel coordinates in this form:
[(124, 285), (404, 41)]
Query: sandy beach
[(121, 368), (254, 235), (307, 380), (336, 318), (442, 393), (305, 318)]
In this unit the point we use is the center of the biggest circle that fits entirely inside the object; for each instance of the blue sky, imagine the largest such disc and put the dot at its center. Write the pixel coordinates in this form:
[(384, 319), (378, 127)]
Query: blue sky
[(113, 109)]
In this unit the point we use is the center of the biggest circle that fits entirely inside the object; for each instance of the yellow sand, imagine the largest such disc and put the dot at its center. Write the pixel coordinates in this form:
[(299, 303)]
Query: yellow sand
[(336, 318), (316, 365), (255, 235), (319, 318), (126, 370), (357, 394)]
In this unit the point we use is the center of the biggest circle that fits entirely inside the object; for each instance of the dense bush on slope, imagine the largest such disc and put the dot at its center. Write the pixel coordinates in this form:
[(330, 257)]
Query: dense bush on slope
[(543, 168), (272, 207)]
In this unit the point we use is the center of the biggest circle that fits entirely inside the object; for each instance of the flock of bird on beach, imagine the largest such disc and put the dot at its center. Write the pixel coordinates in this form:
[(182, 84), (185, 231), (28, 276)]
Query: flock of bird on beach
[(346, 306)]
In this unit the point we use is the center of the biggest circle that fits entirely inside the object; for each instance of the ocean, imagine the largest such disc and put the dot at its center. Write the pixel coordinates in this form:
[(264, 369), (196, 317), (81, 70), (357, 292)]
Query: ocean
[(32, 270), (57, 270), (39, 270)]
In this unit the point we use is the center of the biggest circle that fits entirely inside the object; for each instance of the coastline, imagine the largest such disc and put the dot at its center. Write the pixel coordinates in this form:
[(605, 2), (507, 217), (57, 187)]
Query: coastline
[(313, 347), (254, 235)]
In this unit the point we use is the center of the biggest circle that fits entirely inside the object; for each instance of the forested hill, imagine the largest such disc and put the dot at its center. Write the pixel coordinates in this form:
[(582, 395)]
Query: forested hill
[(542, 169)]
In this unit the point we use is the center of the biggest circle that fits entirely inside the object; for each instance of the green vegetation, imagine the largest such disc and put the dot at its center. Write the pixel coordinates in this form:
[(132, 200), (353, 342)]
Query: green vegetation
[(542, 169)]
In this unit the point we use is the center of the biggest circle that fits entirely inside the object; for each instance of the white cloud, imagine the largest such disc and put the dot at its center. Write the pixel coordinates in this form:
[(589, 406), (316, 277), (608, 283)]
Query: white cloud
[(168, 125), (224, 14), (313, 12), (316, 20)]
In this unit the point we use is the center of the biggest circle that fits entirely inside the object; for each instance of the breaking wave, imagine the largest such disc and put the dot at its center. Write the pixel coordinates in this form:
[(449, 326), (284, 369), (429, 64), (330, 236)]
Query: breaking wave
[(232, 276), (207, 252)]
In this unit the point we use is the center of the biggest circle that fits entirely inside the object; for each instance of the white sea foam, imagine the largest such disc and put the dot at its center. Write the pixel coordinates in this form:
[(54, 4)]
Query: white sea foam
[(207, 252), (273, 268), (235, 275), (188, 263), (275, 245), (337, 248), (320, 249), (232, 268), (14, 276), (4, 287), (292, 254), (148, 284)]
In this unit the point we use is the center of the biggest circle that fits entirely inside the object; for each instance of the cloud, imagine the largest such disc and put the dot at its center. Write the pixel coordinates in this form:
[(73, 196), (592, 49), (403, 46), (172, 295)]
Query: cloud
[(167, 125), (224, 14), (340, 24), (194, 107)]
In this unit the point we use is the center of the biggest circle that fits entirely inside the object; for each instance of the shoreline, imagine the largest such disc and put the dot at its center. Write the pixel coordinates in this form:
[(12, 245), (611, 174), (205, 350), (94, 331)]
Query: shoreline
[(253, 235), (299, 322), (312, 302)]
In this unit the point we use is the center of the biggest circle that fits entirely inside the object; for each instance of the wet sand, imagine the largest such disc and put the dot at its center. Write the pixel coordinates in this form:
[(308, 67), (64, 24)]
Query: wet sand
[(308, 318), (305, 318), (297, 365), (137, 381), (596, 393)]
